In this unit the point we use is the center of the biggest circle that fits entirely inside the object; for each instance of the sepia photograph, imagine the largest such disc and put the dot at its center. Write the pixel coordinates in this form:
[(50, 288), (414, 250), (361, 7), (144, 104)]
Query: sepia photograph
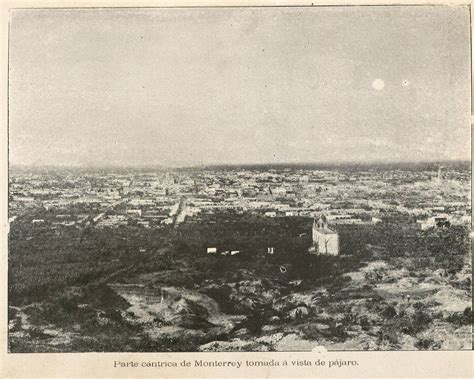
[(239, 179)]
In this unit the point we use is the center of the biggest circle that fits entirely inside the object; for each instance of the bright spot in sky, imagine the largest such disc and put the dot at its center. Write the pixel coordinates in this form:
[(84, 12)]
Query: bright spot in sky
[(378, 84), (405, 83)]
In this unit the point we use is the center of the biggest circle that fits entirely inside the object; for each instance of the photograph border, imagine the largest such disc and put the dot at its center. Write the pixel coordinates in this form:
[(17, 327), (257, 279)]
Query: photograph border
[(118, 4)]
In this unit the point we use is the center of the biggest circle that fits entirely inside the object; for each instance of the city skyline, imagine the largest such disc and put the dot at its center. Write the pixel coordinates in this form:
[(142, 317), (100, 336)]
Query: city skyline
[(245, 86)]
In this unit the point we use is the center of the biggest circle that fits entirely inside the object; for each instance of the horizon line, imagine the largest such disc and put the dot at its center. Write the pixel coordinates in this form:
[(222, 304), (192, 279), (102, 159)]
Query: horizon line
[(217, 165)]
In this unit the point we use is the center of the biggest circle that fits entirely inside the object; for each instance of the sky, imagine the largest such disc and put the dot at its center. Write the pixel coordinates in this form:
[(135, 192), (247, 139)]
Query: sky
[(133, 87)]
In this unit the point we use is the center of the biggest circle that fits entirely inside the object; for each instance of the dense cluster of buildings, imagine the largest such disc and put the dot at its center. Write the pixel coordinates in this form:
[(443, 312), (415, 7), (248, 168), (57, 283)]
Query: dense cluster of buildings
[(160, 199)]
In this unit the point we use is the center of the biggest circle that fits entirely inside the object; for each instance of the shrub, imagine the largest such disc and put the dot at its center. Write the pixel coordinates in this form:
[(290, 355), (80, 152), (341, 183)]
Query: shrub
[(427, 344), (37, 333), (389, 312), (388, 334), (254, 322), (460, 318), (420, 321), (12, 312), (364, 323)]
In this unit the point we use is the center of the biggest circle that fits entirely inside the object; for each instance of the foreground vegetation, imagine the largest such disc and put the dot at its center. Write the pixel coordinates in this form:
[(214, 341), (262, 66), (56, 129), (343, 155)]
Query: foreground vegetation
[(59, 299)]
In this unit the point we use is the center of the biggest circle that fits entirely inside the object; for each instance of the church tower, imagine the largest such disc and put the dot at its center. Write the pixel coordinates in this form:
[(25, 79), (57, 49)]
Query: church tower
[(325, 240)]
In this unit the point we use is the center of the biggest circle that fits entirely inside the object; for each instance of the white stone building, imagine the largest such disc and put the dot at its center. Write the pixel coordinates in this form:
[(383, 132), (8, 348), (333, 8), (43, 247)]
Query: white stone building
[(325, 240)]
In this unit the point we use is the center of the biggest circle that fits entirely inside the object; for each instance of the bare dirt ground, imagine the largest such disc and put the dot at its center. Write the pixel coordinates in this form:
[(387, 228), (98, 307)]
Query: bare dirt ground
[(371, 311), (435, 294)]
